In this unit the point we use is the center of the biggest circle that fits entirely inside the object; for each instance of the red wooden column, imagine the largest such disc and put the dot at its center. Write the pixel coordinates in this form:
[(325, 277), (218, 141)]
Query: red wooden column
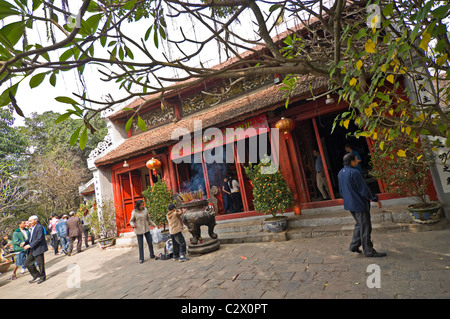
[(242, 190), (303, 181), (172, 173), (292, 166), (286, 168), (325, 167), (297, 167), (205, 176), (117, 202)]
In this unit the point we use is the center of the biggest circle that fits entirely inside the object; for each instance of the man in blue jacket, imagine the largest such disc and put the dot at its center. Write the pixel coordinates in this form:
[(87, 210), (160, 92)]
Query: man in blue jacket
[(38, 246), (357, 196)]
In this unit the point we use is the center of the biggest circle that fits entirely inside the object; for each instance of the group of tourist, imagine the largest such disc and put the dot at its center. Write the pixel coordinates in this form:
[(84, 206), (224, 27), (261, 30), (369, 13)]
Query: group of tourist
[(68, 228), (29, 243)]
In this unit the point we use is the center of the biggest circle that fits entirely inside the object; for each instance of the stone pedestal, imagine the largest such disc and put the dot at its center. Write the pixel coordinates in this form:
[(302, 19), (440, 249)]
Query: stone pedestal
[(209, 245)]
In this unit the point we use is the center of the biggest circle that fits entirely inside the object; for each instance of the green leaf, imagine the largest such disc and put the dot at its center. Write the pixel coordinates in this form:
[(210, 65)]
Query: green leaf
[(5, 98), (83, 139), (67, 54), (63, 117), (340, 64), (121, 53), (67, 100), (129, 53), (7, 9), (53, 79), (129, 5), (141, 124), (388, 9), (103, 41), (11, 33), (147, 34), (74, 137), (441, 11), (162, 32), (37, 79), (128, 125), (361, 33), (155, 39), (90, 26), (36, 4)]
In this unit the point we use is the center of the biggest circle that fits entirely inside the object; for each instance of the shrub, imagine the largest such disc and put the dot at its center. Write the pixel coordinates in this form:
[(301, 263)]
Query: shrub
[(271, 195), (157, 198)]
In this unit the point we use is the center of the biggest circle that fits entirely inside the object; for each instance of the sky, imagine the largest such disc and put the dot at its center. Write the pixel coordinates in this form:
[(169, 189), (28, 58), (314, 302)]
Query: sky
[(42, 98)]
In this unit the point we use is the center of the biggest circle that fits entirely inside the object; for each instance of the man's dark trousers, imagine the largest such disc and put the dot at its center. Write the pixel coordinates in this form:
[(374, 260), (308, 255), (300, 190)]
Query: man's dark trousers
[(79, 241), (362, 232), (35, 273)]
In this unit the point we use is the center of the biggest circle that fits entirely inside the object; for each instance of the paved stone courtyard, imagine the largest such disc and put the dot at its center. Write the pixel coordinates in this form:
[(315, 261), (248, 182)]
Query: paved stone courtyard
[(417, 266)]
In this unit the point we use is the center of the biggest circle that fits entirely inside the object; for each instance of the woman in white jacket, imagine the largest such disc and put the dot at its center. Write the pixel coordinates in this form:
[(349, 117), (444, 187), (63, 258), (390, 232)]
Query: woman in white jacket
[(140, 221)]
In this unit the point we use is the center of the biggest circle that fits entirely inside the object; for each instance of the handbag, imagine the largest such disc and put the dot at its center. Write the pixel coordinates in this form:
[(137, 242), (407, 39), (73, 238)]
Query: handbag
[(156, 235)]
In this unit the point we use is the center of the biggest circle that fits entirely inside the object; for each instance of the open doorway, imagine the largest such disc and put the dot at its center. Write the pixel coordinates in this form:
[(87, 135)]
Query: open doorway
[(334, 149), (334, 145)]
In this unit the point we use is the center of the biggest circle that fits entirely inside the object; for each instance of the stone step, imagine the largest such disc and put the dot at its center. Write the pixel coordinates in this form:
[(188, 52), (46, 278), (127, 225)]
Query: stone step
[(256, 224), (312, 223), (252, 237), (323, 231)]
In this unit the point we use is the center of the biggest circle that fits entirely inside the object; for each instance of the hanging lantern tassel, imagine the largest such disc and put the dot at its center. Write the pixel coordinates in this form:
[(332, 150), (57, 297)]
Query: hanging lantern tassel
[(153, 164), (285, 126)]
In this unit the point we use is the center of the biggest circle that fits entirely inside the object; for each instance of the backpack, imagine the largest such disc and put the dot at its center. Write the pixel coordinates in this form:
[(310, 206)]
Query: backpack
[(168, 251)]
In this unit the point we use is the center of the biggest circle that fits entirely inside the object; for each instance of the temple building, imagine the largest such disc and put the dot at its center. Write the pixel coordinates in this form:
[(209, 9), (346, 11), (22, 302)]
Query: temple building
[(206, 132)]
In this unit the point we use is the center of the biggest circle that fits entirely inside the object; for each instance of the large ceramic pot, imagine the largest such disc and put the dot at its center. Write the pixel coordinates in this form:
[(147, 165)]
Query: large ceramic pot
[(276, 224), (107, 242), (425, 215), (4, 266)]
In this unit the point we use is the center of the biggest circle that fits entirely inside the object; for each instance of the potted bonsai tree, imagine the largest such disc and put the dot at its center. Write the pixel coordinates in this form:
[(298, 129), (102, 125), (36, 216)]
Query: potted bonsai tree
[(405, 171), (271, 195), (103, 223), (157, 198)]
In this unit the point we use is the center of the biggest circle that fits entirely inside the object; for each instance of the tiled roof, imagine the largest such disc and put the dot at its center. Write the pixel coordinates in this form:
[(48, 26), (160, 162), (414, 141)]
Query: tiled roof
[(151, 98), (88, 190), (251, 104)]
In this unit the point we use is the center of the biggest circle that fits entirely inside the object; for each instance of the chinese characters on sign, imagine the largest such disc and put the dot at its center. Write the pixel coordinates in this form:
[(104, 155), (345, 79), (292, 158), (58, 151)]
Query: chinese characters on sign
[(424, 88)]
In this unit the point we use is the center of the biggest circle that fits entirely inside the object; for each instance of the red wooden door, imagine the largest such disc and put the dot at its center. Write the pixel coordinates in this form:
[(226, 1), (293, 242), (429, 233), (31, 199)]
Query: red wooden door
[(131, 186)]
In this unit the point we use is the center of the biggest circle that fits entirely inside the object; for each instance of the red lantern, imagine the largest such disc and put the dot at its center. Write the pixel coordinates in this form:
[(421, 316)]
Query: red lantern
[(285, 126), (153, 164)]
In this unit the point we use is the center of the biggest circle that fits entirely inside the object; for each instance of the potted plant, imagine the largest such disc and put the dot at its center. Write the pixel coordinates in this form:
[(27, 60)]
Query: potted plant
[(103, 223), (405, 171), (271, 195), (157, 198)]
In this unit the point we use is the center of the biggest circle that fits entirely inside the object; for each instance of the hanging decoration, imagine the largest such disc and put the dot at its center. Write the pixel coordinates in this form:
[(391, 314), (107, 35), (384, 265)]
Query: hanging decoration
[(285, 126), (153, 165)]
